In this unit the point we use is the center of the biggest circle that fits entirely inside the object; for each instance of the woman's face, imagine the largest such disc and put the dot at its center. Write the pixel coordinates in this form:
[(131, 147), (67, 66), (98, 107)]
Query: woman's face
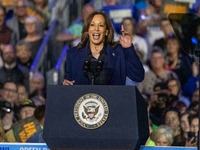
[(128, 27), (194, 127), (173, 87), (30, 27), (172, 120), (162, 141), (97, 30), (157, 61), (185, 123), (172, 46)]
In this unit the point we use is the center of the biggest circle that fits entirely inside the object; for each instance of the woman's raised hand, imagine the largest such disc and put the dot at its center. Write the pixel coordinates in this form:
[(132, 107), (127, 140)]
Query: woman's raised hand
[(125, 39)]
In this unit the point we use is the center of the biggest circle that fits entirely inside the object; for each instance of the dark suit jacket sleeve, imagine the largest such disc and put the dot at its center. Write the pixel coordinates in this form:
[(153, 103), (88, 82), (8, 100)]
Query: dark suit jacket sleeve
[(134, 67)]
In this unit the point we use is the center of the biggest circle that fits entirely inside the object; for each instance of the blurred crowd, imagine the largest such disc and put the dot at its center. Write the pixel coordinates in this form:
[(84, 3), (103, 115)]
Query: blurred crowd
[(170, 86)]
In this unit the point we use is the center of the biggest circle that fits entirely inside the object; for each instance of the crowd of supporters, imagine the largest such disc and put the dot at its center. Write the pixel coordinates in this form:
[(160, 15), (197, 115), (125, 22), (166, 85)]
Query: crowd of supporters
[(170, 86)]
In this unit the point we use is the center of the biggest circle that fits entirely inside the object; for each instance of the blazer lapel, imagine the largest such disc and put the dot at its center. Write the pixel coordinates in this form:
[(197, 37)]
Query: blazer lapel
[(111, 60)]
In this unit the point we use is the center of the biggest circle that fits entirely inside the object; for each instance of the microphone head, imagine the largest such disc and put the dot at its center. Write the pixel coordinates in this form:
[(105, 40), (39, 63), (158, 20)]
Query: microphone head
[(100, 63), (99, 67), (86, 66)]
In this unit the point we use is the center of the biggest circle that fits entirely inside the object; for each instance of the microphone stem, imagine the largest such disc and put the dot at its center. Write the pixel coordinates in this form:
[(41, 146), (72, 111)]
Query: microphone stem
[(92, 80)]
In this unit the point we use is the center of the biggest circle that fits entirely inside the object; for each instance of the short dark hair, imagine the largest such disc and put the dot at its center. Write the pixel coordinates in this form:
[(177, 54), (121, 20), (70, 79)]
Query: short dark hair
[(192, 117), (39, 112)]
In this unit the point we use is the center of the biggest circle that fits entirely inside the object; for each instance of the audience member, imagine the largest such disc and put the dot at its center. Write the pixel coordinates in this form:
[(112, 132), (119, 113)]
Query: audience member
[(193, 81), (34, 36), (180, 139), (12, 71), (27, 108), (7, 36), (41, 11), (195, 95), (150, 142), (176, 62), (9, 93), (181, 106), (194, 107), (24, 54), (17, 22), (172, 120), (149, 23), (138, 41), (167, 29), (157, 73), (22, 93), (174, 87), (7, 115), (2, 135), (36, 82), (157, 103), (194, 128), (162, 136), (39, 115)]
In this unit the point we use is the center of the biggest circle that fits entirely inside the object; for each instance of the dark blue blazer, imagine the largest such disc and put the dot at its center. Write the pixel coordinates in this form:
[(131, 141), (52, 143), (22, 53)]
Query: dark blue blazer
[(122, 62)]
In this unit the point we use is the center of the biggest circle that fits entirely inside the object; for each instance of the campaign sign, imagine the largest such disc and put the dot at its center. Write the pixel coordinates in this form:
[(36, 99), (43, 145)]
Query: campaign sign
[(23, 146), (117, 13)]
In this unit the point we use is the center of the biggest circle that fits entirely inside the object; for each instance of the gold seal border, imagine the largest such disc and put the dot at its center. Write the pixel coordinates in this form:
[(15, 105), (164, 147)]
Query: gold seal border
[(97, 100)]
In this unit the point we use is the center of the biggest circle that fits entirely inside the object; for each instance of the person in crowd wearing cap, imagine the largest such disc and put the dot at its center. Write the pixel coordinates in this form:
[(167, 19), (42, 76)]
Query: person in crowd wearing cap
[(27, 108), (39, 115), (7, 115)]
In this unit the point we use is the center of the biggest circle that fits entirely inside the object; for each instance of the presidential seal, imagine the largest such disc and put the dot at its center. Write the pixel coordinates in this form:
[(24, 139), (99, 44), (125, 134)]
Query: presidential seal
[(91, 111)]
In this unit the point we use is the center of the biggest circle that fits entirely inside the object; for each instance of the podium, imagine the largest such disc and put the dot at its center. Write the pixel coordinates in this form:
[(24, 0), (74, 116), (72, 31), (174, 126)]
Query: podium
[(123, 124)]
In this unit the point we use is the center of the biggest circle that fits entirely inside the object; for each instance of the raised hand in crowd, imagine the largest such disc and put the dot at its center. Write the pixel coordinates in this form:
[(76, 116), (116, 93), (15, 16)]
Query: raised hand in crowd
[(189, 143)]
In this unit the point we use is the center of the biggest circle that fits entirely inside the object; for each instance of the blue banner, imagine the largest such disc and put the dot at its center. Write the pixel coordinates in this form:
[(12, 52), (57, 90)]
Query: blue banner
[(117, 12), (23, 146)]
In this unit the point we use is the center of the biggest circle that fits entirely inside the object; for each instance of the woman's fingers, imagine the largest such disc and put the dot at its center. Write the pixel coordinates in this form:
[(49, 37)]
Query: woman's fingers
[(67, 82)]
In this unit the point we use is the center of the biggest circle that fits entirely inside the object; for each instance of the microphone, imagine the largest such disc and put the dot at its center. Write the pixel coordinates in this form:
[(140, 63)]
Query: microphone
[(99, 66), (86, 66)]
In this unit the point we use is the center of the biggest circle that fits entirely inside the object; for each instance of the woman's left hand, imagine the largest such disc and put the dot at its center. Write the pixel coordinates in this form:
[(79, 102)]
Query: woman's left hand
[(125, 39)]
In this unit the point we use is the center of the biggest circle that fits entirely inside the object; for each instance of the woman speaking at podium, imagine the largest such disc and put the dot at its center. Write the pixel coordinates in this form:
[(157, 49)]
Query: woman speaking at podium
[(98, 59)]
